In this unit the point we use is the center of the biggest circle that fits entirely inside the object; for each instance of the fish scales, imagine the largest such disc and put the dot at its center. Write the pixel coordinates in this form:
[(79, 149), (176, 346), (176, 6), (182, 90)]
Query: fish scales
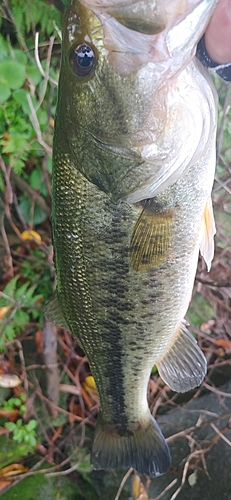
[(127, 227)]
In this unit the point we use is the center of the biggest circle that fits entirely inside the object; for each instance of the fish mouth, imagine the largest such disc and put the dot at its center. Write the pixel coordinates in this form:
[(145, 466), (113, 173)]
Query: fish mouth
[(148, 17), (131, 32)]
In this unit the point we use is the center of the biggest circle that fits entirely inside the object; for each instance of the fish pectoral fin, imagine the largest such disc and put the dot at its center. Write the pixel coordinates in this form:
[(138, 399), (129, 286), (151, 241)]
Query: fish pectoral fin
[(53, 312), (145, 449), (151, 239), (184, 365), (208, 231)]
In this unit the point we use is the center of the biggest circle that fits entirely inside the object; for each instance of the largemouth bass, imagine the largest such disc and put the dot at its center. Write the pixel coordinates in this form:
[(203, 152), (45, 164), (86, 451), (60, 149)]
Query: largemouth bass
[(134, 158)]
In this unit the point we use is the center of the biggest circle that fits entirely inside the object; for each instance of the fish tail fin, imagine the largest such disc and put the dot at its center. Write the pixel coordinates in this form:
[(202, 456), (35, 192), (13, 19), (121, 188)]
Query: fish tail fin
[(145, 449), (183, 366)]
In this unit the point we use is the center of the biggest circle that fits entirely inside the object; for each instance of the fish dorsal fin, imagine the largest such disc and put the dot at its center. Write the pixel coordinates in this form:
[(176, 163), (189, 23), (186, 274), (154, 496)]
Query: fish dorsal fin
[(208, 231), (151, 239), (53, 312), (184, 366)]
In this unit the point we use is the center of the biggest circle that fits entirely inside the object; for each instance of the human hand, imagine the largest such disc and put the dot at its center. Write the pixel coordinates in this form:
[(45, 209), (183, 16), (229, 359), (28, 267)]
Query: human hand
[(218, 34)]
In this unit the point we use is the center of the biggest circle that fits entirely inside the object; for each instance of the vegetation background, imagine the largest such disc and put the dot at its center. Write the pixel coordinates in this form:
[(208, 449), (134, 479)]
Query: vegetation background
[(48, 400)]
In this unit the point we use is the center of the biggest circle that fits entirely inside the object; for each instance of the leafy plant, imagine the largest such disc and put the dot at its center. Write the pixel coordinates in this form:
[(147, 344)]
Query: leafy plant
[(23, 433), (19, 302), (27, 101), (29, 15), (16, 402)]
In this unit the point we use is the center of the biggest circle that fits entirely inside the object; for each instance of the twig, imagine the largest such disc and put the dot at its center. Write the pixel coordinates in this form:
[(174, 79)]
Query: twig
[(225, 284), (7, 248), (183, 433), (8, 194), (57, 29), (170, 485), (66, 471), (9, 191), (23, 364), (35, 123), (50, 359), (186, 467), (21, 39), (32, 193), (46, 79), (7, 297), (62, 410), (43, 73), (125, 478), (222, 126), (216, 391), (214, 427)]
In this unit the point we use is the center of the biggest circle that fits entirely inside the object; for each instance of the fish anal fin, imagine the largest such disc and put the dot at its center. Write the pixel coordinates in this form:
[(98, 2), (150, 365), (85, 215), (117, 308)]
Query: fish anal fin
[(208, 231), (151, 239), (184, 365), (145, 449), (54, 314)]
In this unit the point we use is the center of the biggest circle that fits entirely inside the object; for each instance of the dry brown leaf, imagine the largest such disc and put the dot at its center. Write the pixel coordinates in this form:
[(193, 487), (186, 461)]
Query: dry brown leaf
[(207, 325), (57, 433), (4, 484), (9, 380), (89, 384), (226, 344), (13, 470), (31, 235), (11, 415), (138, 489), (3, 311), (39, 341), (86, 398)]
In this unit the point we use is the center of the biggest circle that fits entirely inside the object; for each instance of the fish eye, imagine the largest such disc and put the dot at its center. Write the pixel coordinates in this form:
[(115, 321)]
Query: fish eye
[(82, 59)]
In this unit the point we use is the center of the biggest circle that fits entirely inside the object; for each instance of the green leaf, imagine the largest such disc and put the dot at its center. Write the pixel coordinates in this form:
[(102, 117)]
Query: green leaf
[(20, 56), (41, 486), (20, 96), (37, 181), (12, 73), (42, 116), (21, 318), (10, 289), (22, 397), (3, 48), (16, 143), (16, 401), (85, 466), (49, 165), (11, 426), (4, 92), (38, 215), (9, 332), (18, 165), (32, 424), (200, 310), (33, 74), (2, 183), (21, 291)]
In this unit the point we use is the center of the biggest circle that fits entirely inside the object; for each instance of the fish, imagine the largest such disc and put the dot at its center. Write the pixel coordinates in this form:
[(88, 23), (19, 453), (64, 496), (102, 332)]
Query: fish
[(133, 169)]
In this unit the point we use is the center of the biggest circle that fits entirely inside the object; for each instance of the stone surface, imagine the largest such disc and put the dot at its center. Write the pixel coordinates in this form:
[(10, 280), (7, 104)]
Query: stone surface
[(199, 485)]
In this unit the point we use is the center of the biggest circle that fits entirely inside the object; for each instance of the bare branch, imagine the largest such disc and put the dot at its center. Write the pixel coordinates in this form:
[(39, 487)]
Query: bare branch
[(43, 73)]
